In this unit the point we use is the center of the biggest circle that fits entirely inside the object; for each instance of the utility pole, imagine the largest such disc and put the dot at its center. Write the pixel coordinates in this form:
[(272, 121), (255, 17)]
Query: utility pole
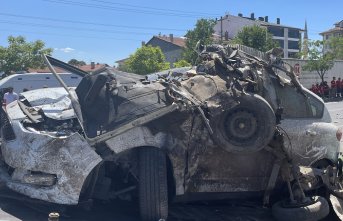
[(221, 29)]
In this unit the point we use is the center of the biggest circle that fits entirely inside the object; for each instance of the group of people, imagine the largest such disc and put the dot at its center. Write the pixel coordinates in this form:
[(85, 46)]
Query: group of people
[(324, 90)]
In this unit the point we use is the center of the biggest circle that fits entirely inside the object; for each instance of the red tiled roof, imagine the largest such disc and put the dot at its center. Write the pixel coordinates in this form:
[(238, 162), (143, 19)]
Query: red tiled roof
[(121, 61), (335, 29), (181, 42), (337, 23), (45, 70), (88, 67)]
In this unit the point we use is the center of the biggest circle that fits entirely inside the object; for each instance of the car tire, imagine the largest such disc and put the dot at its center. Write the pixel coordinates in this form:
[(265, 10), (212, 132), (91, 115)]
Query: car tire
[(316, 210), (153, 189), (247, 127)]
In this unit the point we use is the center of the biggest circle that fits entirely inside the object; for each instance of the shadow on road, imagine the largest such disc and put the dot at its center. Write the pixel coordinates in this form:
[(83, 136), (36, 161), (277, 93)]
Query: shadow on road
[(16, 207)]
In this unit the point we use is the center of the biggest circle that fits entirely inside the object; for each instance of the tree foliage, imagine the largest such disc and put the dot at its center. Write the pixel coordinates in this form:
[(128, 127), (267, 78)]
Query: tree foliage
[(336, 47), (146, 60), (201, 33), (124, 67), (317, 60), (20, 55), (255, 37), (181, 63), (76, 62)]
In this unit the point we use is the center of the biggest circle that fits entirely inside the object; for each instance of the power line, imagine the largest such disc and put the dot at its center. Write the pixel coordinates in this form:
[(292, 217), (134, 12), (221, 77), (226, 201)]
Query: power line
[(87, 23), (72, 36), (121, 9), (72, 28), (152, 8)]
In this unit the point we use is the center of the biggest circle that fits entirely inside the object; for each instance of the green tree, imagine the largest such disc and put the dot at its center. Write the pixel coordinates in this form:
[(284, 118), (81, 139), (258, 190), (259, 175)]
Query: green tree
[(124, 67), (20, 55), (255, 37), (317, 60), (182, 63), (76, 62), (201, 33), (146, 60), (336, 47)]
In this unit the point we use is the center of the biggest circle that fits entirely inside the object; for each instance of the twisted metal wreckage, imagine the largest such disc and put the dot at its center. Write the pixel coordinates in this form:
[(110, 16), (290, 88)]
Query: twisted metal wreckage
[(214, 131)]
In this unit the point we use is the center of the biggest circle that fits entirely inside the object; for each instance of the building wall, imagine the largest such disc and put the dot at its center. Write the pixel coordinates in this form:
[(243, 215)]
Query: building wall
[(172, 52), (328, 36), (307, 78), (233, 24), (335, 32), (287, 37)]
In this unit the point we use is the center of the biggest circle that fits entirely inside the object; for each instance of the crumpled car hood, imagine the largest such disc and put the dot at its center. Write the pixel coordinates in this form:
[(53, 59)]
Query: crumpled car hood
[(54, 102)]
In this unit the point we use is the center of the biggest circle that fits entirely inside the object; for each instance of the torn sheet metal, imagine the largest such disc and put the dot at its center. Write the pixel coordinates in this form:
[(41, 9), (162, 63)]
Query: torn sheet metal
[(70, 158), (136, 137), (54, 102), (309, 140), (207, 120), (14, 111)]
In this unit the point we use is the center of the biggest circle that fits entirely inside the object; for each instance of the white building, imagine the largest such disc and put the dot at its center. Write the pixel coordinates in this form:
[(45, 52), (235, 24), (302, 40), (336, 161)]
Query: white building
[(308, 78), (289, 38), (337, 31)]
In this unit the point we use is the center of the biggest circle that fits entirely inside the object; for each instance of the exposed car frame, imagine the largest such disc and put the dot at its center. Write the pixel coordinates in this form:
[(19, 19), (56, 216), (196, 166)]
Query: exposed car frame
[(216, 132)]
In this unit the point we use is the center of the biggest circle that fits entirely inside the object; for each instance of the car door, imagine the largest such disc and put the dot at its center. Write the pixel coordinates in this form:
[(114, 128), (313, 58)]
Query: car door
[(309, 134)]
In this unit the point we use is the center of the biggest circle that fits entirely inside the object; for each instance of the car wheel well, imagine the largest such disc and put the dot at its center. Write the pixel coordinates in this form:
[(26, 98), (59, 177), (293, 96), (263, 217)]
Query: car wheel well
[(322, 163)]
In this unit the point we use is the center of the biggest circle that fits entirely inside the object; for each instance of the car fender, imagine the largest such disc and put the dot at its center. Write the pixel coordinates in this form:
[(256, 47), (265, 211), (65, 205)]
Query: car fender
[(70, 158), (136, 137)]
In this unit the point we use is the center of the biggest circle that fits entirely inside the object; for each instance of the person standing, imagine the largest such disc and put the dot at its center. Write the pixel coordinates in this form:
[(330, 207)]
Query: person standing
[(333, 88), (326, 89), (10, 96), (339, 87)]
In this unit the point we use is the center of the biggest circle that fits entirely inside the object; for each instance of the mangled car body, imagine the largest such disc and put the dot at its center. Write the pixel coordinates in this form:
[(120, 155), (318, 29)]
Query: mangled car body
[(236, 124)]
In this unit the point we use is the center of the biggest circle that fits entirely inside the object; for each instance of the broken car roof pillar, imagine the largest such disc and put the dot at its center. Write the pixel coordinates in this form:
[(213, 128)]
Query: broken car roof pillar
[(72, 95)]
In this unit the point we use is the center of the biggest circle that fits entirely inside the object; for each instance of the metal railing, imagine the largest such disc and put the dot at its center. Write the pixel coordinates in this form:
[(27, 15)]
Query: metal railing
[(251, 51)]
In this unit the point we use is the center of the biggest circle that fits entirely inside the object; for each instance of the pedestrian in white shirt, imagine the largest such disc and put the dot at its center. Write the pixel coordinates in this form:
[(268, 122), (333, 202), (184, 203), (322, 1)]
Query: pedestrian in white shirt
[(10, 96)]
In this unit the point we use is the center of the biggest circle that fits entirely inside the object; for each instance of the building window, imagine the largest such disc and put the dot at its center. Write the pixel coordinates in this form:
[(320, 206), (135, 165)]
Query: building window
[(47, 78), (292, 54), (281, 43), (276, 31), (293, 45), (293, 33), (20, 79)]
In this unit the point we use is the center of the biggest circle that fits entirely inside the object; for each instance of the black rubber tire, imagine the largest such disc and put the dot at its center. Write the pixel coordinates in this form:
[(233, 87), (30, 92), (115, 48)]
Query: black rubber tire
[(318, 210), (153, 189), (258, 120)]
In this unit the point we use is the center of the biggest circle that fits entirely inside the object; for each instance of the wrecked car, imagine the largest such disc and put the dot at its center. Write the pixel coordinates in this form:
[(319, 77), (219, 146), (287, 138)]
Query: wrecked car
[(235, 126)]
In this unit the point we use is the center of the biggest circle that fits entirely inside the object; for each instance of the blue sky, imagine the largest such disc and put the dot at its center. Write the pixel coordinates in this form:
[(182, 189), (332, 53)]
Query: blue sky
[(108, 30)]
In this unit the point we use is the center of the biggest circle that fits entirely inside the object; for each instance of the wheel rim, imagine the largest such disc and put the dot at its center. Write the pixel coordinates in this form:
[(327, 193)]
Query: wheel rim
[(240, 126)]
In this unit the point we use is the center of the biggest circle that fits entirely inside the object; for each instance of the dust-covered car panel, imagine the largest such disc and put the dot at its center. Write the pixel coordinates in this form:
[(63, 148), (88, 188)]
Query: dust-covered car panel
[(225, 126), (52, 155)]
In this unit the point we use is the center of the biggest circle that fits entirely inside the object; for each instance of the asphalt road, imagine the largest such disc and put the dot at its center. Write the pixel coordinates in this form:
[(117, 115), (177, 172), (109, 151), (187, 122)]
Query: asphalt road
[(14, 207), (336, 112)]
